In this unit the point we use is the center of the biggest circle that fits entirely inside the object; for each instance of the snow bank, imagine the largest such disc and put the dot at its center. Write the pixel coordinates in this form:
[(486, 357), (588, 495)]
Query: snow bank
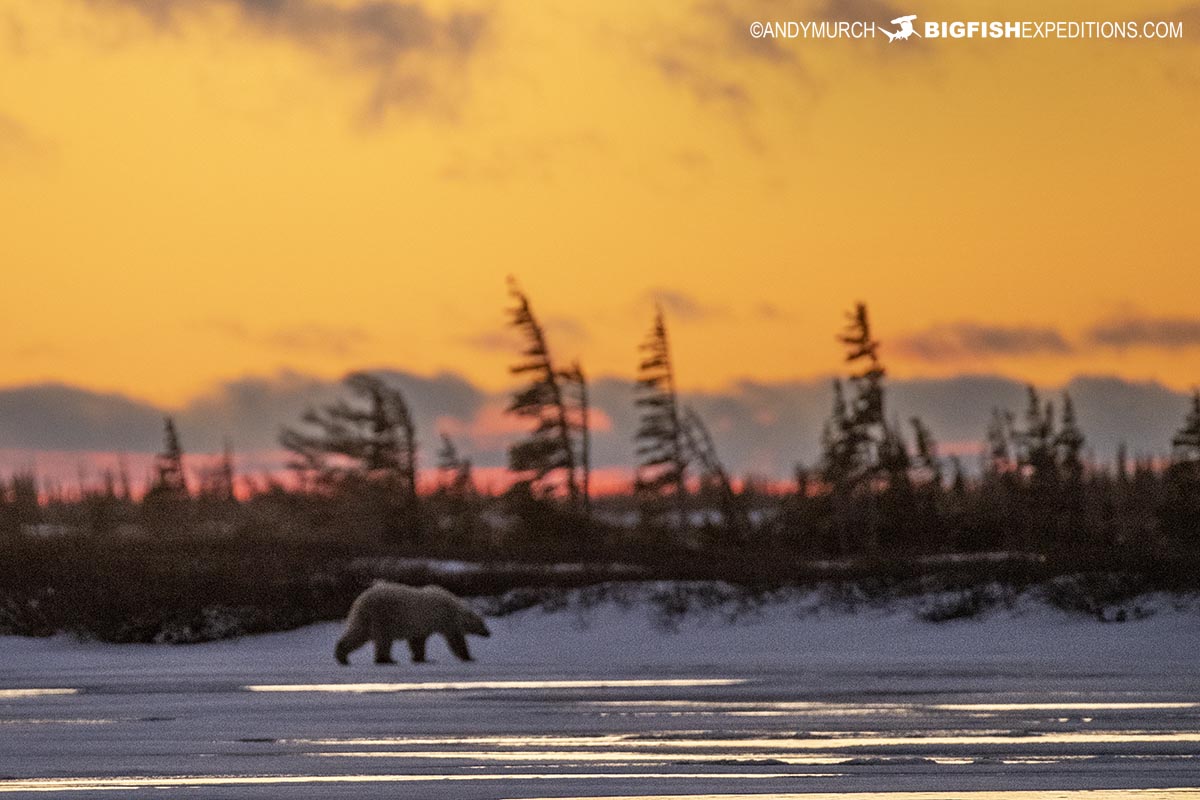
[(706, 625)]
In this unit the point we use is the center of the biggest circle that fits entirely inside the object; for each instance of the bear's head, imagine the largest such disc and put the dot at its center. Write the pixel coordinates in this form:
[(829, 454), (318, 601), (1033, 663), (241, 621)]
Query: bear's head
[(473, 623)]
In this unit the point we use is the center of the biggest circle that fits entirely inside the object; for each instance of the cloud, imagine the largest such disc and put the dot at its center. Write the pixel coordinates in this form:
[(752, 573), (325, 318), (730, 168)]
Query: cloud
[(252, 410), (963, 340), (493, 341), (401, 44), (308, 338), (967, 340), (866, 10), (734, 26), (336, 340), (771, 312), (1142, 414), (536, 157), (566, 328), (561, 332), (54, 416), (1189, 15), (373, 32), (758, 427), (702, 81), (718, 62), (38, 349), (1168, 333), (12, 34), (17, 141), (680, 305)]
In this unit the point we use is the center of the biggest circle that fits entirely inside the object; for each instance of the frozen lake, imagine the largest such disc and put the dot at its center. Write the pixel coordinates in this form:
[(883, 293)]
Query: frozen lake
[(1031, 704)]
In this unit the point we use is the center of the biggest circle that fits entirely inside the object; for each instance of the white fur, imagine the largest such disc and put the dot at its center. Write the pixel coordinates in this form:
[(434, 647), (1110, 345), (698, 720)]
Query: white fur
[(388, 611)]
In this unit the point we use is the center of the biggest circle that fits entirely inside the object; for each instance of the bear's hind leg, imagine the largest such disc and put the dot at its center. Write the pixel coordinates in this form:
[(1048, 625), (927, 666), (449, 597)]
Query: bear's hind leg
[(383, 651), (458, 645), (383, 645), (416, 646)]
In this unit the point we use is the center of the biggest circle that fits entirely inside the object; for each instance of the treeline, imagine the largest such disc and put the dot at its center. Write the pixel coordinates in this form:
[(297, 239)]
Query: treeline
[(880, 490)]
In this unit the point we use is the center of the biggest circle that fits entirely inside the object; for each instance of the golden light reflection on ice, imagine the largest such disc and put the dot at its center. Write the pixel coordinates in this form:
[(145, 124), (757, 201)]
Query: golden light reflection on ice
[(8, 694), (169, 782), (768, 708), (454, 686), (605, 756), (1061, 706), (1067, 794), (828, 741)]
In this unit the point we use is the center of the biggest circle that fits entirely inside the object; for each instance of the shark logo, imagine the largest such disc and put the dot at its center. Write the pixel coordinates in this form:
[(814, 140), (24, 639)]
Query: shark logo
[(905, 30)]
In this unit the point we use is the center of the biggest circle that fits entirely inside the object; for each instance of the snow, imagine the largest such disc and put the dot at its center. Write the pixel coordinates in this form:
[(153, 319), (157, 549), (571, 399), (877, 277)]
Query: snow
[(438, 567), (609, 696)]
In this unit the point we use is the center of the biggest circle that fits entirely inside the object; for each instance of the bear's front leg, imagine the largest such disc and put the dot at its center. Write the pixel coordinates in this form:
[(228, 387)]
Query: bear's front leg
[(383, 651), (354, 638), (416, 646), (458, 646)]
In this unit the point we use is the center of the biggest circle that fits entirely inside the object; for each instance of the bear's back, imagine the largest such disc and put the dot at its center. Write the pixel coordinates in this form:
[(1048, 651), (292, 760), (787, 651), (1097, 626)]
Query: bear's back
[(410, 610)]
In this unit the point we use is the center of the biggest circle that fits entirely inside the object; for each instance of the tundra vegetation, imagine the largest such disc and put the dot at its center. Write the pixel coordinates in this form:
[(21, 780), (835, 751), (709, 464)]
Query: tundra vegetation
[(882, 514)]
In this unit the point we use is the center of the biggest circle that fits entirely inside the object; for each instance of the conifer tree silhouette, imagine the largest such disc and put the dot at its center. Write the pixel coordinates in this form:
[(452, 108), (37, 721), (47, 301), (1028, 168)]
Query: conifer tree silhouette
[(866, 410), (998, 442), (859, 446), (168, 465), (374, 438), (455, 470), (857, 429), (1037, 443), (575, 390), (550, 447), (926, 458), (701, 448), (1179, 514), (1185, 446), (1070, 442), (661, 443)]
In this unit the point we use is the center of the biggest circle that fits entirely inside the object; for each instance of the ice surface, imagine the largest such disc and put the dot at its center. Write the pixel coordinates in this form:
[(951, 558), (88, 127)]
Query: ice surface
[(606, 701)]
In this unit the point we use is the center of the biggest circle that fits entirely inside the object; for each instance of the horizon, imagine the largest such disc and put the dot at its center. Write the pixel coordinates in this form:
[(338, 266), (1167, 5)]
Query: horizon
[(70, 437)]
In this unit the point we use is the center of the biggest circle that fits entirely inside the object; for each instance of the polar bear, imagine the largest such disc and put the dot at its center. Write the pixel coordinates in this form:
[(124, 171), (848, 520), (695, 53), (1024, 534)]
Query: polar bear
[(388, 611)]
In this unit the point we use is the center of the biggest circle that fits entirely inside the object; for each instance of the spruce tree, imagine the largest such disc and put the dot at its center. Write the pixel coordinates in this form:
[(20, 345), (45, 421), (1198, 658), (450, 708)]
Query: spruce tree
[(168, 465), (927, 459), (372, 439), (1185, 446), (702, 449), (660, 438), (867, 407), (857, 430), (858, 445), (1122, 460), (1069, 442), (1179, 514), (455, 471), (894, 459), (1037, 443), (999, 452), (840, 456), (218, 478), (165, 506), (575, 389), (550, 446), (459, 502)]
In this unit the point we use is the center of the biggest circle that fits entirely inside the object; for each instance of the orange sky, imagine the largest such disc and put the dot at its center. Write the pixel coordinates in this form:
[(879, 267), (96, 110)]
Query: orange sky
[(194, 192)]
